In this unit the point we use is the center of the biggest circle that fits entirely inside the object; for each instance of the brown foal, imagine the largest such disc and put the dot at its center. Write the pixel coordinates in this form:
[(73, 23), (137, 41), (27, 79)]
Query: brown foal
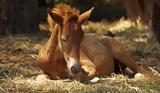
[(70, 52)]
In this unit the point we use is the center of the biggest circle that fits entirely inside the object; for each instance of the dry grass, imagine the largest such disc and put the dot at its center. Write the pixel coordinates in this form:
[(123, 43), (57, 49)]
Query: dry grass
[(18, 70)]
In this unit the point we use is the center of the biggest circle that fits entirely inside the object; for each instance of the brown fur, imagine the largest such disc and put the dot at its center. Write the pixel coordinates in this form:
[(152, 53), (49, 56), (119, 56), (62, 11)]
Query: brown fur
[(65, 11), (50, 59), (96, 53)]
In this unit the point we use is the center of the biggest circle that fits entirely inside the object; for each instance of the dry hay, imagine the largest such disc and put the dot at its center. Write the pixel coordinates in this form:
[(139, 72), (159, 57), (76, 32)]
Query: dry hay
[(18, 68)]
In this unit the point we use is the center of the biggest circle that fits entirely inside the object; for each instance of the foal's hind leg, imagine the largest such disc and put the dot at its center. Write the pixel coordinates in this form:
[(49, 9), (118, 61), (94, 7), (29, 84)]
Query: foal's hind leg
[(120, 68), (119, 53)]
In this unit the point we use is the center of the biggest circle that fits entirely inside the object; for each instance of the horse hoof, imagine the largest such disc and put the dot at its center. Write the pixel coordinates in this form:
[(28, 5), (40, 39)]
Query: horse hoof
[(95, 80), (138, 76), (67, 80), (42, 77)]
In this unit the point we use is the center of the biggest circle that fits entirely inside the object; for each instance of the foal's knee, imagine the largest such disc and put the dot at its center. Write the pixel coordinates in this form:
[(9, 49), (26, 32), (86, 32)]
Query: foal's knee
[(91, 71), (41, 61)]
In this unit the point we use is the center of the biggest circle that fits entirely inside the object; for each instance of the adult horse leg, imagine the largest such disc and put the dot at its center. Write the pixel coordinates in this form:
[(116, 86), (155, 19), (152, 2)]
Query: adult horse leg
[(120, 54), (156, 21)]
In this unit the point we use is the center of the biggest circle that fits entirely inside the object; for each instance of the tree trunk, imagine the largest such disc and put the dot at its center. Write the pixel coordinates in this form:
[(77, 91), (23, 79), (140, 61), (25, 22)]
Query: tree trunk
[(18, 16)]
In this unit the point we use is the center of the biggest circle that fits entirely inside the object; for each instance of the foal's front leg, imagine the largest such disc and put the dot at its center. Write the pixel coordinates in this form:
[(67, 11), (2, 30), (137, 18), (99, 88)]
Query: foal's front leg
[(88, 74), (88, 69), (47, 54)]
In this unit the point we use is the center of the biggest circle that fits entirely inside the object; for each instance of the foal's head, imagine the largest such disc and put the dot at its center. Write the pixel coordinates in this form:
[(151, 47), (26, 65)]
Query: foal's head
[(70, 34)]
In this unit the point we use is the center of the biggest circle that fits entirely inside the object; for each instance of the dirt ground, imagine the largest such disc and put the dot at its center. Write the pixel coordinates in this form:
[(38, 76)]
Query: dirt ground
[(18, 68)]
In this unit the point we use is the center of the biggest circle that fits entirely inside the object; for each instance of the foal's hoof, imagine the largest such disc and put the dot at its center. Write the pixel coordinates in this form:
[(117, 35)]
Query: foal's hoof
[(42, 77), (67, 80), (95, 80), (138, 76)]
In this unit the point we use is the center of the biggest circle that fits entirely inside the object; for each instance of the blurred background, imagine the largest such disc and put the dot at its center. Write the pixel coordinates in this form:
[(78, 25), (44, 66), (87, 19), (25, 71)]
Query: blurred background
[(20, 16)]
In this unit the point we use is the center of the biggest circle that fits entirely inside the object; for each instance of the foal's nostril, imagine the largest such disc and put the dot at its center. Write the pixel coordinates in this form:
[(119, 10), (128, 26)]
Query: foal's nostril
[(74, 70)]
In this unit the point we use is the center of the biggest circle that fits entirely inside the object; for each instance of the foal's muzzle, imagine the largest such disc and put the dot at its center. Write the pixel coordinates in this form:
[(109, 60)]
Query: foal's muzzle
[(75, 70), (73, 66)]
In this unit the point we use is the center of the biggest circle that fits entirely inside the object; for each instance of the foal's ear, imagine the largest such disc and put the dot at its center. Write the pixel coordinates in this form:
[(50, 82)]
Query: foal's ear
[(83, 17), (56, 17)]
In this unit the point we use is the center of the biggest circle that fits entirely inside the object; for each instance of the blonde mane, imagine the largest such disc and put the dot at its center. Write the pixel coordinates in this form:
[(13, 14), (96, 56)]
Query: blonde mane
[(66, 11)]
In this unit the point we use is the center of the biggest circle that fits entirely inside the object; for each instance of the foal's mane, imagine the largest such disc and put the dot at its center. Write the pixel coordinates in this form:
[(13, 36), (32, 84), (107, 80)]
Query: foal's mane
[(64, 10)]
